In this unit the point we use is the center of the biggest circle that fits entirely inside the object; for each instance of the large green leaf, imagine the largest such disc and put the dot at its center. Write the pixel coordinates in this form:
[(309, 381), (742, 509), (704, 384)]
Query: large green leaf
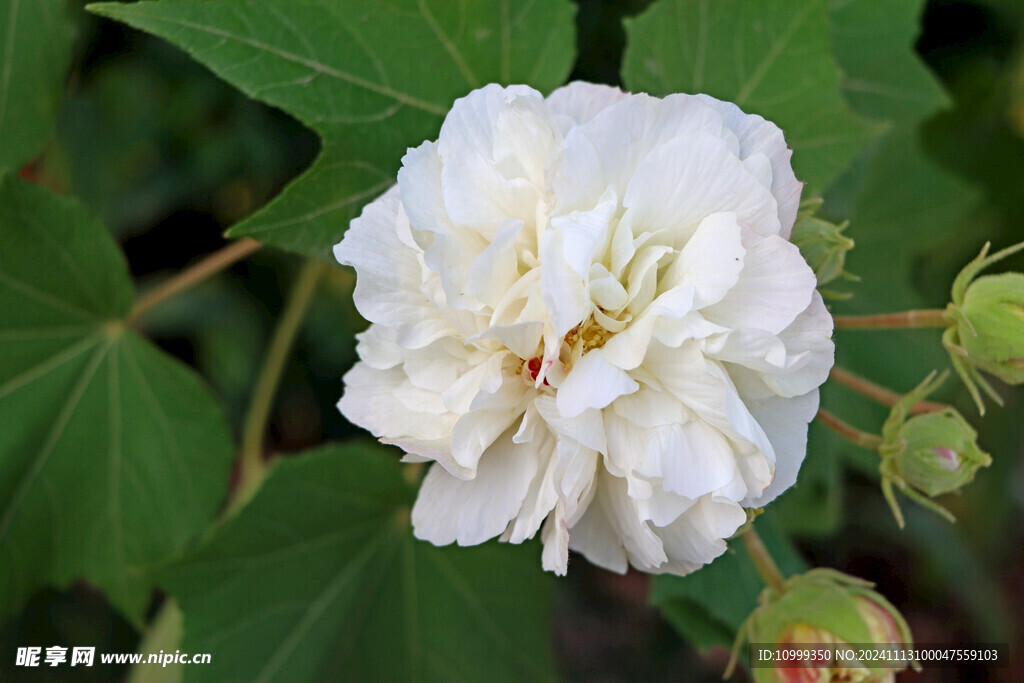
[(112, 454), (35, 53), (319, 578), (874, 45), (708, 606), (770, 57), (372, 78)]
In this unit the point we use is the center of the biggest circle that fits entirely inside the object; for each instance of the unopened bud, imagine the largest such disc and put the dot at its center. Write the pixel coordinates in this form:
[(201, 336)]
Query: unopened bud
[(986, 331), (939, 453), (822, 244), (992, 326), (824, 607), (927, 455)]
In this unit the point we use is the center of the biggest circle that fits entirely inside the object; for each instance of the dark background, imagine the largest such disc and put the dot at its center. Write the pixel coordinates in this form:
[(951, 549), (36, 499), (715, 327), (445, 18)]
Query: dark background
[(170, 156)]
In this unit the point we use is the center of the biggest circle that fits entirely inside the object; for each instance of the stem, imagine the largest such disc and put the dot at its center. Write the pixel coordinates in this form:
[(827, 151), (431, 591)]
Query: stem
[(879, 393), (763, 561), (193, 275), (252, 466), (932, 317), (849, 432)]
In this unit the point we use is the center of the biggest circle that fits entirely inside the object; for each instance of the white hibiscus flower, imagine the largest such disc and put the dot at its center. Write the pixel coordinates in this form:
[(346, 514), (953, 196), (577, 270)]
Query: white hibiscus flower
[(586, 313)]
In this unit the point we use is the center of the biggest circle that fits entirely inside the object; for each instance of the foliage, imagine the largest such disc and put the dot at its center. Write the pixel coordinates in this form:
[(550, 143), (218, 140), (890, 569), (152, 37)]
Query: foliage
[(115, 456)]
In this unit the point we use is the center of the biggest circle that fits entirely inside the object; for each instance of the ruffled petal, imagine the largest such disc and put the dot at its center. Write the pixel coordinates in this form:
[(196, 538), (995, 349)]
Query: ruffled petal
[(775, 286), (592, 383), (757, 136), (450, 510), (685, 180)]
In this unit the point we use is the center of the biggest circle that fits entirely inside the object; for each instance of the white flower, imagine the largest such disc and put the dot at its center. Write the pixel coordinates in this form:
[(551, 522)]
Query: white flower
[(586, 311)]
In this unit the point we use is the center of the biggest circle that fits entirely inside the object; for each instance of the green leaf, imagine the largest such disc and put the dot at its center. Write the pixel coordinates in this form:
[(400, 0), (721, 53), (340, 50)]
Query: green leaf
[(112, 454), (770, 57), (372, 78), (874, 45), (723, 593), (35, 52), (319, 578)]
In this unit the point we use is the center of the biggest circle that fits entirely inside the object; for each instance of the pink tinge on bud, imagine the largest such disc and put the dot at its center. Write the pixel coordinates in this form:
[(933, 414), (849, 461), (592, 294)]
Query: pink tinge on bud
[(947, 458), (802, 672), (880, 622)]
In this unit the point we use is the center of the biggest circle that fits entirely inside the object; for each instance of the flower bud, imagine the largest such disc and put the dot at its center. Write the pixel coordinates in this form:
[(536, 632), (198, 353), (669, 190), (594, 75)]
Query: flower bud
[(822, 244), (824, 607), (991, 325), (986, 329), (939, 453), (927, 455)]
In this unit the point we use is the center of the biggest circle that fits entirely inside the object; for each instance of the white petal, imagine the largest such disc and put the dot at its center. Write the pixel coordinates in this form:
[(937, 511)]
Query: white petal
[(785, 422), (579, 102), (470, 512), (650, 408), (627, 348), (555, 557), (521, 339), (607, 149), (592, 383), (684, 181), (542, 495), (594, 537), (496, 269), (569, 248), (490, 415), (759, 136), (370, 402), (641, 543), (388, 288), (448, 248), (694, 461), (710, 262), (494, 145), (810, 334), (587, 428), (697, 536), (705, 388), (775, 286), (575, 477), (627, 448)]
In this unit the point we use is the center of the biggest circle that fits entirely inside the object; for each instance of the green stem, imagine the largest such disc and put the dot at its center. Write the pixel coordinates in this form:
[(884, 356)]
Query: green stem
[(933, 317), (879, 393), (252, 465), (763, 561), (193, 275), (849, 432)]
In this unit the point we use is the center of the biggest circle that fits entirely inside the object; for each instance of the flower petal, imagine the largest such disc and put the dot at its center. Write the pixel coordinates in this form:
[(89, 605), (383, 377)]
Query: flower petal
[(449, 510), (685, 180), (775, 286), (785, 422), (757, 136), (592, 383), (697, 536)]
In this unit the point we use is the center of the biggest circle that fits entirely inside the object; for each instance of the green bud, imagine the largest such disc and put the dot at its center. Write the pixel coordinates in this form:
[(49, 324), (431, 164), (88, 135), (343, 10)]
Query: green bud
[(822, 244), (938, 453), (824, 606), (991, 325), (986, 331), (927, 455)]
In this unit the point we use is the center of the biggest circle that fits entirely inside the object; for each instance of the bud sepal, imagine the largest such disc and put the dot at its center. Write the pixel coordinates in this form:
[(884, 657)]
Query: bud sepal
[(927, 455), (986, 326), (823, 606), (823, 245)]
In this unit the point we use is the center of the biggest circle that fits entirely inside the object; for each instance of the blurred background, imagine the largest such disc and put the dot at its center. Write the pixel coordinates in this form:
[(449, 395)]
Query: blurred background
[(169, 157)]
